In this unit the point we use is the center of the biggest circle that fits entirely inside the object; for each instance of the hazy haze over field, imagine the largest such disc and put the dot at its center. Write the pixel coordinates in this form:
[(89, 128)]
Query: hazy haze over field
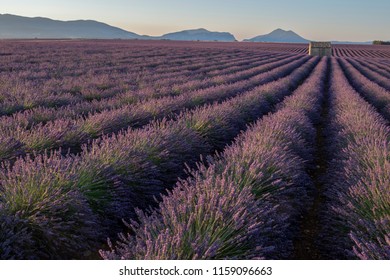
[(326, 20)]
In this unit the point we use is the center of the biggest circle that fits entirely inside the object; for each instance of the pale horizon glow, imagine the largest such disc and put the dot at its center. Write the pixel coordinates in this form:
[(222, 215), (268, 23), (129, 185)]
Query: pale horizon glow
[(344, 20)]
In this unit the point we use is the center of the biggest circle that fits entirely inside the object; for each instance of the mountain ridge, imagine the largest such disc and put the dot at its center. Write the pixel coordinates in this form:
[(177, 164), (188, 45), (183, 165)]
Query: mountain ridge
[(20, 27), (200, 34)]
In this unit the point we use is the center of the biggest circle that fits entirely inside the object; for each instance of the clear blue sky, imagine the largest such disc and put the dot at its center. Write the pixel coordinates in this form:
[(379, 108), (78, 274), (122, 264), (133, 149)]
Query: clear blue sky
[(354, 20)]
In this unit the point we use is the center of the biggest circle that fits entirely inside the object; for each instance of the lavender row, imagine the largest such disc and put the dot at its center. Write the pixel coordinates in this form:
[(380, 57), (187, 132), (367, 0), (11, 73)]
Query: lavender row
[(160, 88), (67, 133), (243, 203), (277, 47), (215, 68), (115, 61), (70, 58), (43, 76), (361, 51), (62, 206), (384, 62), (372, 92), (21, 93), (373, 76), (133, 111), (216, 124), (376, 66), (358, 177)]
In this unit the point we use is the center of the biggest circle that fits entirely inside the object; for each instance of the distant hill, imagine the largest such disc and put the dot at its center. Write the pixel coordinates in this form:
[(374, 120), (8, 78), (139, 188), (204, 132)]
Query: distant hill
[(279, 36), (19, 27), (199, 35), (14, 27), (283, 36)]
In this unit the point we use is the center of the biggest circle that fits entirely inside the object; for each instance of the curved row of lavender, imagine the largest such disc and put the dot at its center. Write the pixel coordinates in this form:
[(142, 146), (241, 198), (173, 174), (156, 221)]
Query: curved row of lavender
[(217, 124), (155, 88), (62, 207), (360, 51), (384, 63), (376, 67), (58, 205), (243, 204), (375, 74), (338, 50), (68, 133), (169, 87), (54, 77), (378, 96), (358, 225), (50, 135), (138, 82), (27, 87)]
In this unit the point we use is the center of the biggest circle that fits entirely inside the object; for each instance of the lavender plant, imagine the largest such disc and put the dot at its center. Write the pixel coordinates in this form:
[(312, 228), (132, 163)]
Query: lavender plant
[(378, 96), (358, 179), (372, 72), (39, 202), (113, 120), (204, 217)]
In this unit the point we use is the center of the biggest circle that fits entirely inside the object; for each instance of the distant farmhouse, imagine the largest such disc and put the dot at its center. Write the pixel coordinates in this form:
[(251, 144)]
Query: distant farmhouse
[(320, 48)]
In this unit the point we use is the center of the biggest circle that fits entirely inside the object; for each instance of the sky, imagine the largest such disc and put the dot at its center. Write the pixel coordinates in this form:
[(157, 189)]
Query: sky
[(344, 20)]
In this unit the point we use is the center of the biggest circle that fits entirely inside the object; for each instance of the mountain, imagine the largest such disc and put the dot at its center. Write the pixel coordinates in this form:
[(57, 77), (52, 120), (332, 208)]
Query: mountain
[(199, 35), (18, 27), (14, 27), (279, 36)]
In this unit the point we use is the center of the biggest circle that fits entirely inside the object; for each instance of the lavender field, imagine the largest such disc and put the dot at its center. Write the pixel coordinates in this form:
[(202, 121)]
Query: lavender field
[(131, 149)]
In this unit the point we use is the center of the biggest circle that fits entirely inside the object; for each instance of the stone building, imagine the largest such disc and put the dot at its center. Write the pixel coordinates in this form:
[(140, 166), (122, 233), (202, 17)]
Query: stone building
[(320, 48)]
